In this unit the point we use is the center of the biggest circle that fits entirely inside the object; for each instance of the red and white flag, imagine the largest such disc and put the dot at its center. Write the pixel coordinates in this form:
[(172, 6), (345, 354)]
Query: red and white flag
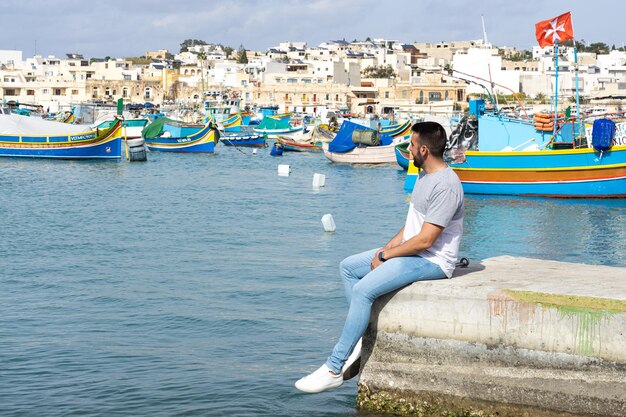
[(556, 29)]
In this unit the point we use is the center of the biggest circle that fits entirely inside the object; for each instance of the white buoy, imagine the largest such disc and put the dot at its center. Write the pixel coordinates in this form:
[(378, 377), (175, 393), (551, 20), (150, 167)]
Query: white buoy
[(254, 151), (329, 223), (284, 170), (319, 180)]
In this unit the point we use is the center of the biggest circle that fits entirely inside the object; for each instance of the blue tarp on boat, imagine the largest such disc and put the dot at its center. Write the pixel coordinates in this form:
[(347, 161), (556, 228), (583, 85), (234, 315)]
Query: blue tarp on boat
[(343, 141)]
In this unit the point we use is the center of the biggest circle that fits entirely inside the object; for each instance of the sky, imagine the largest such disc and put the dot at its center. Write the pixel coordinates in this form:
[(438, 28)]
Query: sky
[(124, 28)]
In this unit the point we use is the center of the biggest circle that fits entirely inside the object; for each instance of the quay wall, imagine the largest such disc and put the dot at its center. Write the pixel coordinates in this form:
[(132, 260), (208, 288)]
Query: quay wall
[(506, 336)]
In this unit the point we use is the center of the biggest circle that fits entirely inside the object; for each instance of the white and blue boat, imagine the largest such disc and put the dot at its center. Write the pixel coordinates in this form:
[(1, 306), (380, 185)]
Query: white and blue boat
[(34, 138)]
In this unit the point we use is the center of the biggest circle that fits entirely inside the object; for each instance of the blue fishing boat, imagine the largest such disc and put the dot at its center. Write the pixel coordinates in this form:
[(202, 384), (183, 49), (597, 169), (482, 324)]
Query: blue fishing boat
[(233, 123), (202, 141), (495, 154), (244, 139), (356, 144), (92, 144), (403, 156)]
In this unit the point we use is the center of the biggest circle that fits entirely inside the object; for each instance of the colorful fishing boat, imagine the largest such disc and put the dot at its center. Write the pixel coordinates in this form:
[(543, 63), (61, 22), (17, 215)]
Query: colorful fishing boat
[(357, 144), (286, 117), (403, 156), (33, 143), (402, 130), (202, 141), (244, 139), (293, 146), (512, 156), (273, 127), (310, 141), (233, 123), (131, 128)]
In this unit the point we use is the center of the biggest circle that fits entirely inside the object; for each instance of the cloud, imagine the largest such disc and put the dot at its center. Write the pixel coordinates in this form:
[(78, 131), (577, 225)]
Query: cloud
[(132, 27)]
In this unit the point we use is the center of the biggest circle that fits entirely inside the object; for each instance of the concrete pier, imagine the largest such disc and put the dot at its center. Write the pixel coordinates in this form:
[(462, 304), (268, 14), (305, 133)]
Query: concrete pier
[(507, 336)]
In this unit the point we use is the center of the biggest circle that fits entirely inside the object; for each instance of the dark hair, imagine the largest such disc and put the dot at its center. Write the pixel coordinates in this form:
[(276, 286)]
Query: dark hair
[(433, 135)]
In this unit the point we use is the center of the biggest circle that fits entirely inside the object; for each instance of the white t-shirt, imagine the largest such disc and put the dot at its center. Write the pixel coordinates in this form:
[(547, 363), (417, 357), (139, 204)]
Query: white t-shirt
[(437, 198)]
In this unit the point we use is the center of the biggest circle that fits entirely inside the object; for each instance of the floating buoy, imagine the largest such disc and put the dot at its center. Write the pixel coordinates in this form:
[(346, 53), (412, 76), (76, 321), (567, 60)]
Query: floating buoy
[(136, 150), (284, 170), (329, 223), (319, 180), (277, 149), (254, 151)]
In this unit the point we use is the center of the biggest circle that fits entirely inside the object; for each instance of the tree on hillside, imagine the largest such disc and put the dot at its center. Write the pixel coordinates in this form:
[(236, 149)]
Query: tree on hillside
[(242, 56), (228, 51), (595, 47), (377, 71), (187, 43)]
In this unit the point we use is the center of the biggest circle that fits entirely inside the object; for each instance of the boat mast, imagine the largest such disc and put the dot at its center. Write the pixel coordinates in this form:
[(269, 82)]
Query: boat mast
[(556, 87), (485, 41)]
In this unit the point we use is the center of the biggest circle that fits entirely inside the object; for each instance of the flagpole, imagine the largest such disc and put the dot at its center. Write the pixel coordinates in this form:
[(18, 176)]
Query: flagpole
[(576, 72), (556, 87)]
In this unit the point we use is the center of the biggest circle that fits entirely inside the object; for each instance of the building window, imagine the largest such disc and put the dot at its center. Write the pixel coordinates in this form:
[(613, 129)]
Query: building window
[(124, 92), (303, 98), (75, 92), (147, 92), (57, 92), (30, 92), (9, 92), (336, 97), (127, 77), (287, 97), (327, 96), (315, 98), (434, 96), (386, 94)]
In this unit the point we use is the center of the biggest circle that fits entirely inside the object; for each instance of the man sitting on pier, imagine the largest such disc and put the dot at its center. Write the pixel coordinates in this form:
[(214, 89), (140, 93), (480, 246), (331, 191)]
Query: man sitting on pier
[(426, 248)]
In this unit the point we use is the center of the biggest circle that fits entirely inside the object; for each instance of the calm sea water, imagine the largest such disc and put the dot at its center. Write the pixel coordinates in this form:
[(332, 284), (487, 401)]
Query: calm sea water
[(204, 285)]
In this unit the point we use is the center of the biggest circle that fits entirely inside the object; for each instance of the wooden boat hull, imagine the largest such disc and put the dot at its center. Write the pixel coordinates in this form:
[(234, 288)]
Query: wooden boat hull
[(572, 173), (233, 123), (257, 141), (203, 141), (365, 155), (403, 157), (94, 144), (293, 146), (274, 133)]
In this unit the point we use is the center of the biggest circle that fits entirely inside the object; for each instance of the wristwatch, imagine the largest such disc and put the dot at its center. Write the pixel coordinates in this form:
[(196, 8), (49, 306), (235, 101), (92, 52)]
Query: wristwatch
[(381, 256)]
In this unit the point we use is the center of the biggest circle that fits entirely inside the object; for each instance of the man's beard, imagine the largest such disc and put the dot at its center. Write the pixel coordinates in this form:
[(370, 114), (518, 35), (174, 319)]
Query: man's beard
[(418, 160)]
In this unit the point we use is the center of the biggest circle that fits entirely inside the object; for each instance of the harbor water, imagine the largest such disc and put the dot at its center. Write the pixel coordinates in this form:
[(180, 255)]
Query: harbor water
[(205, 285)]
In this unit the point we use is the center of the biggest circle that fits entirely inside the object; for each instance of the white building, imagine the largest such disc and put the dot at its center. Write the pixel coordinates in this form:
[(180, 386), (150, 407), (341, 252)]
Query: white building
[(484, 64)]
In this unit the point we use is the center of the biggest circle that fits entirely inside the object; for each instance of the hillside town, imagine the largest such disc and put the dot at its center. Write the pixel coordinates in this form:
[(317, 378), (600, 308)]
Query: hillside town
[(374, 76)]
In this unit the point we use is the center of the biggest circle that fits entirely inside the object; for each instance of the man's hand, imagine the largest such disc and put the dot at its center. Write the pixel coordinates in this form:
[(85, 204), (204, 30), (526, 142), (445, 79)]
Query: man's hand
[(375, 262)]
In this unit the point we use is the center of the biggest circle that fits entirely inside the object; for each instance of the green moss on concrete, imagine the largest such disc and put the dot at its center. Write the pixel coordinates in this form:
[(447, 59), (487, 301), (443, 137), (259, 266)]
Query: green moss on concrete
[(422, 404), (569, 303), (586, 312)]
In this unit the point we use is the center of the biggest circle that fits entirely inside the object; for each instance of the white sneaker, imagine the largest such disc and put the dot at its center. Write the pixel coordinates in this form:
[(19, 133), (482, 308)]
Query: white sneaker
[(318, 381), (354, 356)]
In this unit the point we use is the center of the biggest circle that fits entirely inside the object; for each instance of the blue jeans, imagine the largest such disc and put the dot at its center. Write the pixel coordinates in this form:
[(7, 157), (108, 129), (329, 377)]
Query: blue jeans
[(363, 286)]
